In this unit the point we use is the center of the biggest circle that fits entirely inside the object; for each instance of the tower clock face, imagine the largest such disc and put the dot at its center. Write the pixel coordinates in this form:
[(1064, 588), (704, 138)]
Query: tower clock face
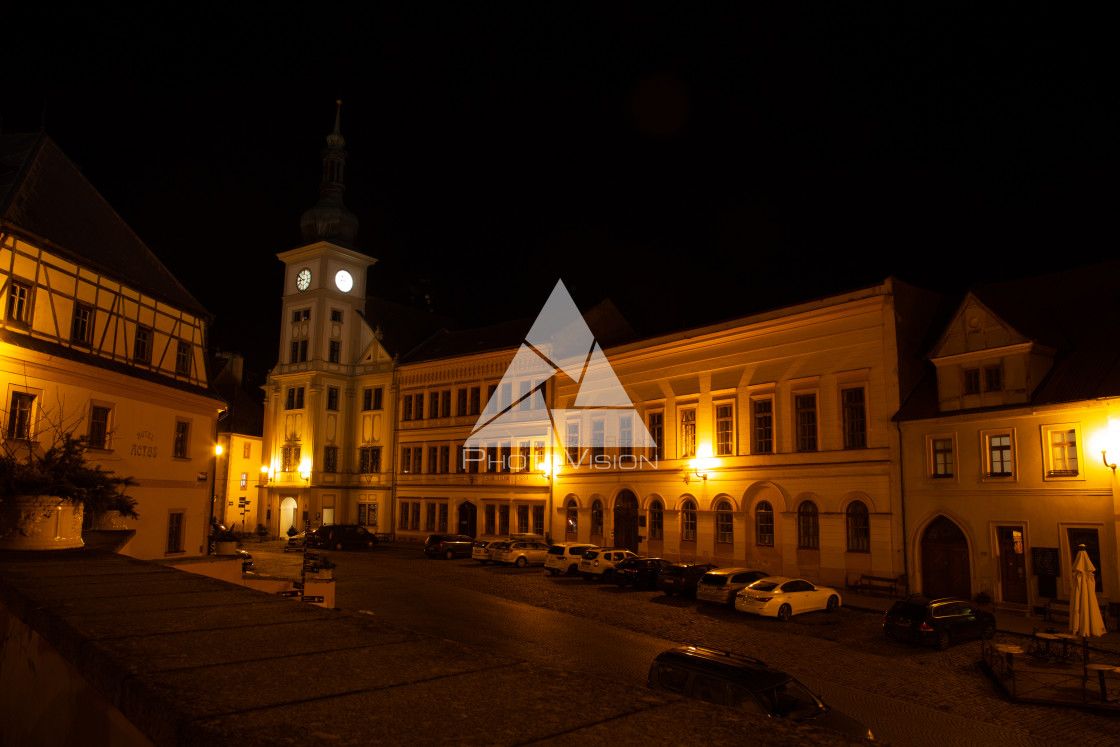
[(344, 281), (303, 279)]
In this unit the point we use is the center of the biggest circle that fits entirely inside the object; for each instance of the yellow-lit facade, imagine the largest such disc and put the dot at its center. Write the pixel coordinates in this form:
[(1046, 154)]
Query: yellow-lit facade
[(237, 502)]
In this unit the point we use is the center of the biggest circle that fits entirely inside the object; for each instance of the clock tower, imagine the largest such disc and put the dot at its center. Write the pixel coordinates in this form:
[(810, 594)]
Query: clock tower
[(320, 424)]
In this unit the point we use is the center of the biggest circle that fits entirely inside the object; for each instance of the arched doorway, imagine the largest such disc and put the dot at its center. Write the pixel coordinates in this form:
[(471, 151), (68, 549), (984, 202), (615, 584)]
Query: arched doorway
[(468, 519), (946, 567), (626, 521), (288, 516)]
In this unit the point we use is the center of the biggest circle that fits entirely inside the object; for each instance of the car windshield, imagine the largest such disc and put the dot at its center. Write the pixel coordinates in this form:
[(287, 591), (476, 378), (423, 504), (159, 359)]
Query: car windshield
[(907, 609), (792, 700), (763, 586), (714, 579)]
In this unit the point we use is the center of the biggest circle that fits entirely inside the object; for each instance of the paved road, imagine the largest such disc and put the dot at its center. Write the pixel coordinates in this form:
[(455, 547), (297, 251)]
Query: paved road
[(909, 695)]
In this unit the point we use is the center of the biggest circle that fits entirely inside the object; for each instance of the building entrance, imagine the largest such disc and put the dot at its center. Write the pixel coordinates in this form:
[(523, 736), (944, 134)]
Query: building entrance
[(946, 566), (468, 519), (1012, 565), (626, 521)]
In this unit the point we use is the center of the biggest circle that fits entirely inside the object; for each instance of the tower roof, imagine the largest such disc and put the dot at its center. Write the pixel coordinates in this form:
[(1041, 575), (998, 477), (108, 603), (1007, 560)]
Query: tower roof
[(329, 219)]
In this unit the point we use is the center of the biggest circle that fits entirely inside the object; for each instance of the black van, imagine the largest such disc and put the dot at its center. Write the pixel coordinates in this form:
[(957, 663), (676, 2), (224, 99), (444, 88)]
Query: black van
[(448, 546)]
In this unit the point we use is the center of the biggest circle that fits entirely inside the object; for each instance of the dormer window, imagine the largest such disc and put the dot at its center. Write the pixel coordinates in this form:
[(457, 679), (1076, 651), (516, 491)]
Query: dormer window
[(993, 378), (971, 380)]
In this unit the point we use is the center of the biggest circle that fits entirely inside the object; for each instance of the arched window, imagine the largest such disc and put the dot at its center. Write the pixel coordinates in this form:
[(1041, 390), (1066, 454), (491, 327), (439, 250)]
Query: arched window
[(688, 521), (656, 521), (597, 517), (573, 516), (764, 524), (808, 534), (724, 530), (859, 528)]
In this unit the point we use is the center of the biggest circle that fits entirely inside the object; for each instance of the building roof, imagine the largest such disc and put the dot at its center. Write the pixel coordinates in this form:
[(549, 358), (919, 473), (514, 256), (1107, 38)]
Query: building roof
[(45, 199), (1075, 312)]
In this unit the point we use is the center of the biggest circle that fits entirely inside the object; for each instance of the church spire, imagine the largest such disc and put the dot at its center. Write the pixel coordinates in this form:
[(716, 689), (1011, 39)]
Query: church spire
[(329, 219)]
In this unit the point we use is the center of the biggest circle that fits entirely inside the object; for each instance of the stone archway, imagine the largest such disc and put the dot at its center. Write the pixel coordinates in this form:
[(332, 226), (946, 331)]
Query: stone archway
[(946, 565), (626, 521), (468, 519)]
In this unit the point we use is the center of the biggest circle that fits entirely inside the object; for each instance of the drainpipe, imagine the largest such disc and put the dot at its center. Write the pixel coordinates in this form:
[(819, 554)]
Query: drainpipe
[(902, 509)]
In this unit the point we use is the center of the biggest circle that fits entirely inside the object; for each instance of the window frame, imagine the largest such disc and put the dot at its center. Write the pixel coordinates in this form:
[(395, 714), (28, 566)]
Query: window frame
[(932, 474), (330, 459), (757, 441), (332, 398), (1049, 470), (806, 428), (181, 443), (18, 428), (987, 449), (764, 520), (656, 520), (725, 522), (688, 520), (176, 531), (572, 517), (857, 524), (103, 443), (854, 437), (183, 357), (718, 422), (808, 526), (657, 432), (597, 522), (142, 349), (81, 324), (686, 432), (18, 307)]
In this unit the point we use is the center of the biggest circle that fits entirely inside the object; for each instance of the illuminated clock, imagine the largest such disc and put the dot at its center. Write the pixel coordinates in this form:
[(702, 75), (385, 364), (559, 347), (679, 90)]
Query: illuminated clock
[(303, 279), (343, 280)]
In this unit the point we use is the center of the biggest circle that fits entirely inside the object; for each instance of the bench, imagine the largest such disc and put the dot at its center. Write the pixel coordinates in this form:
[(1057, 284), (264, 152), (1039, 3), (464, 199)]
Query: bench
[(889, 584)]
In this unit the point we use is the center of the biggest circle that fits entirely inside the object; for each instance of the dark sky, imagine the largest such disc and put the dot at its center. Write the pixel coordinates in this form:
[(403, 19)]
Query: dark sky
[(691, 163)]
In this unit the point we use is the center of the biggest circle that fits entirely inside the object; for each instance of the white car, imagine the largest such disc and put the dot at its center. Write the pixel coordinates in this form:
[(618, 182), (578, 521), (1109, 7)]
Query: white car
[(599, 562), (781, 597), (520, 553), (564, 557)]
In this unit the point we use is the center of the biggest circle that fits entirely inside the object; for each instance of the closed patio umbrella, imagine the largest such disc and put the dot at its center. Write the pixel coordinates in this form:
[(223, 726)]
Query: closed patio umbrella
[(1084, 611)]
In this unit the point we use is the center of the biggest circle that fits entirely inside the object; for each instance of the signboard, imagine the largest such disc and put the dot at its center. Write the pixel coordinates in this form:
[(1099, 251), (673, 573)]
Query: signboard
[(1045, 561), (316, 599), (293, 593)]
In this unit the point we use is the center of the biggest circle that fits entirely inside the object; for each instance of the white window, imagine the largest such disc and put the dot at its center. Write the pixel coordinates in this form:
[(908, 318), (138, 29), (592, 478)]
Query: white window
[(725, 429), (941, 455), (1063, 450), (999, 454)]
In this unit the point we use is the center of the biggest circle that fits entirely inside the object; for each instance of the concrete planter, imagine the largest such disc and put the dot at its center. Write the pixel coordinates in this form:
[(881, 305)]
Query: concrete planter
[(40, 522), (113, 520), (225, 548)]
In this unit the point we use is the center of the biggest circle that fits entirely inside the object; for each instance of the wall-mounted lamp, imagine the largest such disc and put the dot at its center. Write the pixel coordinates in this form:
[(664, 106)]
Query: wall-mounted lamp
[(218, 449), (1104, 456), (305, 469)]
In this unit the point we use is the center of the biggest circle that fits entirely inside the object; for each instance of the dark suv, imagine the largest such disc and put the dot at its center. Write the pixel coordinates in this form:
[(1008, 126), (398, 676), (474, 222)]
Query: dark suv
[(448, 546), (341, 537), (736, 681), (682, 578), (937, 622)]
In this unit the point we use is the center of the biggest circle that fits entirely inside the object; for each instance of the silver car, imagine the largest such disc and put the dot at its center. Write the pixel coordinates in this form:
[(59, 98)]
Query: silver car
[(520, 553), (722, 584)]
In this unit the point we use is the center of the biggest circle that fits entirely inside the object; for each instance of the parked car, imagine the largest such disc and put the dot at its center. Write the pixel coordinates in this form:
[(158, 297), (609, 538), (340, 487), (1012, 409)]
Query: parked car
[(564, 557), (937, 622), (599, 562), (682, 578), (448, 546), (722, 584), (341, 537), (744, 683), (480, 551), (296, 542), (521, 553), (641, 573), (780, 597)]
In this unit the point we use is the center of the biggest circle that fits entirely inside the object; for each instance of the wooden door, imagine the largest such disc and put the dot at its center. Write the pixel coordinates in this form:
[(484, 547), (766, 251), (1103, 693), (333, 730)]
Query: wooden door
[(946, 566), (626, 521), (1012, 565)]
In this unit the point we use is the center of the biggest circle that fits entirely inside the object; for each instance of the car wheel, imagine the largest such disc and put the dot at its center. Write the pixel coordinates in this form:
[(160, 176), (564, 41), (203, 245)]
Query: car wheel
[(522, 562), (944, 640), (448, 555), (573, 570), (785, 612), (833, 603)]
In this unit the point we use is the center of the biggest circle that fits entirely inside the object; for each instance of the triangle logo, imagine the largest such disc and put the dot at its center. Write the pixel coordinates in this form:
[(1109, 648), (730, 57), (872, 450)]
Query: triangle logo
[(559, 342)]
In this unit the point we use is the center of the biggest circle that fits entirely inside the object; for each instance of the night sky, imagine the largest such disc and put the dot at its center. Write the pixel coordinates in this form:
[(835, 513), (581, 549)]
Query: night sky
[(691, 163)]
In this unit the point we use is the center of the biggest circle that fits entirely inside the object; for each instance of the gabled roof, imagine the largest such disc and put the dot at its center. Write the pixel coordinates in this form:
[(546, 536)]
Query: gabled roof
[(45, 199)]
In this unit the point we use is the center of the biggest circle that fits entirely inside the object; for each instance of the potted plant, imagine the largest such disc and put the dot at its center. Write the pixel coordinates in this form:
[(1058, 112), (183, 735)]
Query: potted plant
[(44, 496)]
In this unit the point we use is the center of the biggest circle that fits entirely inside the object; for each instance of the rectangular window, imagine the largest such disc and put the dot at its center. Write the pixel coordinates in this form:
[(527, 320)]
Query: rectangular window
[(182, 439), (433, 405), (491, 402), (183, 358), (246, 450), (332, 398), (657, 431), (971, 380), (523, 519), (289, 457), (406, 460), (334, 351), (404, 515), (999, 455), (488, 523), (301, 315), (573, 442), (244, 480), (99, 427), (506, 396), (445, 403), (762, 426), (725, 430), (805, 412), (418, 406), (406, 407), (503, 520), (378, 395), (942, 454), (476, 400), (597, 437), (367, 399), (415, 515), (81, 325), (430, 518), (441, 524), (142, 344), (625, 436), (1063, 453), (330, 459), (19, 303), (294, 399), (433, 460), (687, 446), (19, 415), (461, 402), (538, 520), (369, 459), (175, 531), (855, 418), (993, 378), (336, 315), (444, 459)]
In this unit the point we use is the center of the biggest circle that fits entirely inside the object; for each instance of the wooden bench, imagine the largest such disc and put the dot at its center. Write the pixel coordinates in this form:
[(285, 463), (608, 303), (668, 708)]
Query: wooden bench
[(889, 584)]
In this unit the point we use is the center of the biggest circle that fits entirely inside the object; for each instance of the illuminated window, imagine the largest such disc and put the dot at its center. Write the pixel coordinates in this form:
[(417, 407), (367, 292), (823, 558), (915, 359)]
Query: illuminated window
[(805, 414), (764, 524), (142, 344), (855, 418), (1062, 456), (19, 302), (859, 527), (289, 457), (762, 426), (597, 518), (181, 448), (244, 480), (725, 531), (688, 521), (688, 433), (573, 517), (99, 427), (656, 521), (725, 430), (81, 324), (808, 533), (19, 415), (657, 431), (999, 455)]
